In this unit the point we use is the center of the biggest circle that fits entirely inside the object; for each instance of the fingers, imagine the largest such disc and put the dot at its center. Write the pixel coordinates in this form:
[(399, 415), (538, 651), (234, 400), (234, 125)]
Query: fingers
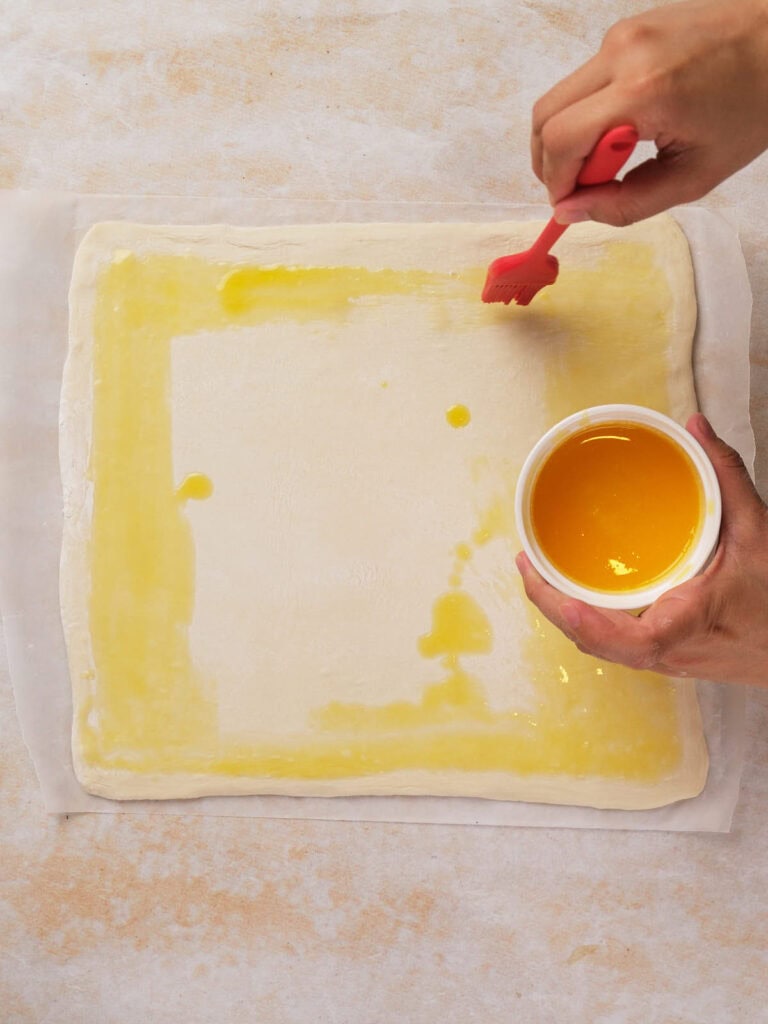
[(585, 81), (569, 137), (563, 612), (666, 638), (653, 186), (688, 631), (690, 74), (742, 505), (610, 635), (680, 172)]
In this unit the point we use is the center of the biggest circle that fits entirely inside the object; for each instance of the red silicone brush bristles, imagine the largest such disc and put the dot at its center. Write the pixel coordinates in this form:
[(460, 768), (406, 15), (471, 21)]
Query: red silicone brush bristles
[(518, 278)]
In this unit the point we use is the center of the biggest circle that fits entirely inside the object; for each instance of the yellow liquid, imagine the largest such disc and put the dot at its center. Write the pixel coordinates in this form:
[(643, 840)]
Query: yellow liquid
[(151, 711), (616, 506), (458, 416), (195, 487)]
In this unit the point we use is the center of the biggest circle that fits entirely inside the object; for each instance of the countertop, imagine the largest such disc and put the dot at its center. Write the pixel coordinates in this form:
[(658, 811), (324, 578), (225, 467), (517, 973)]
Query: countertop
[(118, 919)]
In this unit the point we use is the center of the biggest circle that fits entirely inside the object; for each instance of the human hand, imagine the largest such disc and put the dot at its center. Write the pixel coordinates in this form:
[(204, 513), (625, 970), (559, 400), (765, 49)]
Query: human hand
[(691, 77), (713, 627)]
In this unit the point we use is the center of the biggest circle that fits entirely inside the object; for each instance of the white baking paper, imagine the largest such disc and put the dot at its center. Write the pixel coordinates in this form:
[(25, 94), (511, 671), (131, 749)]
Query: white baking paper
[(39, 235)]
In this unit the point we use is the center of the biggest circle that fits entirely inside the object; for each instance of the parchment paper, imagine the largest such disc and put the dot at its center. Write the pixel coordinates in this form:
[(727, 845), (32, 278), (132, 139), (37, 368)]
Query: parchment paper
[(39, 234)]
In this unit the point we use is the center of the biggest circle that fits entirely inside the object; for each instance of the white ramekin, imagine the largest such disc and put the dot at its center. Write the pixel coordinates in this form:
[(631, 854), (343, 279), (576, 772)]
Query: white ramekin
[(698, 555)]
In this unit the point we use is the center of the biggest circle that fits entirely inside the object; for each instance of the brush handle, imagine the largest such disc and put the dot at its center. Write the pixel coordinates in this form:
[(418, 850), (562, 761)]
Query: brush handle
[(602, 165), (609, 156)]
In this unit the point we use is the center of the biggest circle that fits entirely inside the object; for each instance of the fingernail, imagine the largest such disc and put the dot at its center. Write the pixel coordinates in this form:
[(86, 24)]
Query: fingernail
[(570, 215), (571, 614), (520, 561)]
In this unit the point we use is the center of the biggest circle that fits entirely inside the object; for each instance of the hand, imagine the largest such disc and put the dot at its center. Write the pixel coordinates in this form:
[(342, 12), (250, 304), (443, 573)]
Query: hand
[(692, 77), (713, 627)]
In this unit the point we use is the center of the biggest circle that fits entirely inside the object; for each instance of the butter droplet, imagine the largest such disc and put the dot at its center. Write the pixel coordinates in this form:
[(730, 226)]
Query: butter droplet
[(458, 416), (195, 487)]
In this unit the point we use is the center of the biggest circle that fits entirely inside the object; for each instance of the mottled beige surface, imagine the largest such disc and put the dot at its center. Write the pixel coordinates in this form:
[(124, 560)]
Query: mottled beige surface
[(118, 919)]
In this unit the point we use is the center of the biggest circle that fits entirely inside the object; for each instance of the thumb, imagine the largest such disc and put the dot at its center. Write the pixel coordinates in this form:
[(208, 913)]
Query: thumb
[(740, 498), (654, 186)]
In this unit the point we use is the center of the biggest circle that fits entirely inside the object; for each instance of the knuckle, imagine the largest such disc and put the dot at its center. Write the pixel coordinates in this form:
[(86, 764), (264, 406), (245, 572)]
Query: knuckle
[(648, 653), (627, 34), (621, 36), (581, 646), (643, 660), (622, 216)]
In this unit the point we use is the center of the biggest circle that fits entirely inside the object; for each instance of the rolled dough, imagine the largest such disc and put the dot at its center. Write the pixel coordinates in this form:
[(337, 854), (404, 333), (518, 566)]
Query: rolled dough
[(288, 456)]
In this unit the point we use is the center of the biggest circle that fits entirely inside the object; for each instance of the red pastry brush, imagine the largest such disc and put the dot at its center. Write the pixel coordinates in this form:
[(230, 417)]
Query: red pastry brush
[(518, 278)]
